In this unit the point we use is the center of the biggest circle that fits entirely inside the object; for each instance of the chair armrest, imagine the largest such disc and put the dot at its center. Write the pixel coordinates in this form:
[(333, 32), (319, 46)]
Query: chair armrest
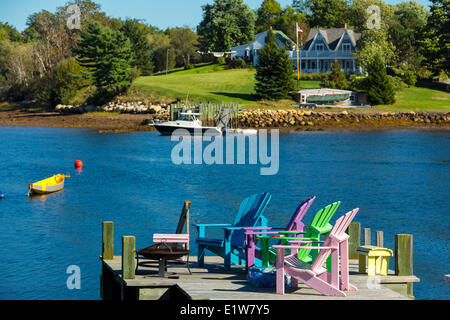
[(301, 247), (292, 232), (211, 225), (301, 241)]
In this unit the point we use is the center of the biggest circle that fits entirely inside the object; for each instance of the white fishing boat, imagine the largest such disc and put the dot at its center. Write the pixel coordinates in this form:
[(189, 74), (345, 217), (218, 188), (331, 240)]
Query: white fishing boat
[(187, 123)]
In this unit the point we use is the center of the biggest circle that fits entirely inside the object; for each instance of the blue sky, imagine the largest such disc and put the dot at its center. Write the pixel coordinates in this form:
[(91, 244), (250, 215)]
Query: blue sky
[(163, 14)]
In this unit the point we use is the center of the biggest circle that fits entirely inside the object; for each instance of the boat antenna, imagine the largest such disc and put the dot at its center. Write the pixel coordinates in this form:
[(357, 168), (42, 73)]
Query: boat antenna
[(187, 97)]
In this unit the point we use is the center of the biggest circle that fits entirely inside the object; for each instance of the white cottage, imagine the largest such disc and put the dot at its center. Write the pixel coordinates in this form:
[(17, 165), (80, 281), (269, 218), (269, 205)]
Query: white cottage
[(249, 51)]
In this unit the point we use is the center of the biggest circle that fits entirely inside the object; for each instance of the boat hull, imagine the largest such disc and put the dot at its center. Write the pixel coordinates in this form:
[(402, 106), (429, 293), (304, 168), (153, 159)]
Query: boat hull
[(167, 130), (50, 185)]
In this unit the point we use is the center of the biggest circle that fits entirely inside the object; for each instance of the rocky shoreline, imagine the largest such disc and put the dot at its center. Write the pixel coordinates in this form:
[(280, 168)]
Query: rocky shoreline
[(307, 118), (135, 116)]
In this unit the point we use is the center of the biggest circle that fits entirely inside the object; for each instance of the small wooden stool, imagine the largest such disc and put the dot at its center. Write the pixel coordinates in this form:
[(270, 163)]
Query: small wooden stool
[(377, 257)]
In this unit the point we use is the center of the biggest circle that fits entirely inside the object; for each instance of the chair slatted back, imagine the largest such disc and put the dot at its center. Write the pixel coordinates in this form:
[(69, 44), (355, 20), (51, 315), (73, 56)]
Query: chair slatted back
[(250, 213), (323, 216), (336, 233), (320, 220), (298, 215)]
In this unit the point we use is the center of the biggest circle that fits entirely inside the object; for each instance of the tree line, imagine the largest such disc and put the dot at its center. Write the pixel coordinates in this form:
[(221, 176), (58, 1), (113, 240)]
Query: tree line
[(51, 63)]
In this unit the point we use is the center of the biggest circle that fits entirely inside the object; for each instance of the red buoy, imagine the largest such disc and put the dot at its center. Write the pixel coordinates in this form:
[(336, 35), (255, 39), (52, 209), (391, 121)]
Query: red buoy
[(78, 164)]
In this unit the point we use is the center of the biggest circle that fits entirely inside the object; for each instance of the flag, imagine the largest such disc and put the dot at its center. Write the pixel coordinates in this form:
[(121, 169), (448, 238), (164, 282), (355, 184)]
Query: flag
[(299, 29)]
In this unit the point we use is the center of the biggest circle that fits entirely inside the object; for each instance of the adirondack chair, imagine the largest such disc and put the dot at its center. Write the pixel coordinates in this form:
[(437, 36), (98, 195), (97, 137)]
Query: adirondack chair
[(231, 246), (182, 223), (265, 254), (332, 283), (319, 227)]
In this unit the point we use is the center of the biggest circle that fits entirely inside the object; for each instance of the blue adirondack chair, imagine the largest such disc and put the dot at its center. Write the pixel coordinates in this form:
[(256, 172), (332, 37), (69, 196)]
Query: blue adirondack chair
[(232, 246)]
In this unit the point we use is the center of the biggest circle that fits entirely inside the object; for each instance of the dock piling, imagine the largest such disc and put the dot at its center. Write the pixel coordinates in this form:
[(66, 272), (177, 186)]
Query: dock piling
[(404, 258), (379, 238), (354, 232), (108, 240), (367, 240), (128, 257)]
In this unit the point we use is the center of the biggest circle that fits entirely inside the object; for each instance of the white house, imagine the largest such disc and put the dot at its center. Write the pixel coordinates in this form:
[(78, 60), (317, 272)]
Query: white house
[(249, 51), (325, 46)]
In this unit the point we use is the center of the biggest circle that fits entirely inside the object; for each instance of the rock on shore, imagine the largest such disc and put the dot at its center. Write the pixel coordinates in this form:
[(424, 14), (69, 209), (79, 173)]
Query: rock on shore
[(294, 118), (161, 111)]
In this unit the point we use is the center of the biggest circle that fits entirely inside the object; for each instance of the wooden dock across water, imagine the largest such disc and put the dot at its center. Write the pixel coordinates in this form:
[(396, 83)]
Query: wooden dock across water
[(214, 283)]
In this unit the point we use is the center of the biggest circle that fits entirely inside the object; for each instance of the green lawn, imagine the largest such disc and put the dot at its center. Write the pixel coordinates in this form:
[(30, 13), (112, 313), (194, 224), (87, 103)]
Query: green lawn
[(415, 98), (204, 84), (213, 83)]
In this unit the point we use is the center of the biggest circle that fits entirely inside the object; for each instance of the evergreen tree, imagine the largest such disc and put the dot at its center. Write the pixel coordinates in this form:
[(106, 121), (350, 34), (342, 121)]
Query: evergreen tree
[(107, 55), (380, 89), (274, 71), (336, 80), (142, 53)]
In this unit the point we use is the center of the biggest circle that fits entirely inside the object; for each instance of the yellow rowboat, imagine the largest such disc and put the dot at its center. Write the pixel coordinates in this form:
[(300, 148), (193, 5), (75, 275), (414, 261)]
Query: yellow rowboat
[(50, 185)]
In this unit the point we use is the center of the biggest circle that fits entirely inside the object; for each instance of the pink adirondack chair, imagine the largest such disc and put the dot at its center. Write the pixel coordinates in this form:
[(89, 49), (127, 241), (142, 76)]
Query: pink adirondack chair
[(315, 275), (295, 224)]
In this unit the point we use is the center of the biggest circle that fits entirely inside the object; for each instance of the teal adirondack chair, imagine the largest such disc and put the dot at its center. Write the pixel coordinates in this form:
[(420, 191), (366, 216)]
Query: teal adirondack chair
[(320, 226), (231, 246)]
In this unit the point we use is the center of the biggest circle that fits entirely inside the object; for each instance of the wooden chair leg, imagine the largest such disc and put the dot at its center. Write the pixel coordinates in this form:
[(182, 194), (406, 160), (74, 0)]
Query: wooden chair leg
[(362, 263), (201, 256), (280, 271), (371, 267)]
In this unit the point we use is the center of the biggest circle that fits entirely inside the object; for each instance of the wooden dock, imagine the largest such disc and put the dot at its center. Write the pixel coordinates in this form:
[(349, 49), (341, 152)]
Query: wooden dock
[(214, 283), (120, 281)]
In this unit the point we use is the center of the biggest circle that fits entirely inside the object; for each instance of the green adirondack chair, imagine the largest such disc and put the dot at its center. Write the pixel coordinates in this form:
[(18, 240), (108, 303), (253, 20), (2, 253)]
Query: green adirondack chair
[(320, 226)]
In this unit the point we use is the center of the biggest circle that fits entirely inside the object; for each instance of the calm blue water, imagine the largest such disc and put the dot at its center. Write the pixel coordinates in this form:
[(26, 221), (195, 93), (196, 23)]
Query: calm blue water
[(400, 181)]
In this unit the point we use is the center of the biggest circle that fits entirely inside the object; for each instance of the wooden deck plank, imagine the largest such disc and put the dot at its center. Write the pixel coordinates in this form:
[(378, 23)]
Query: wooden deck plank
[(214, 283)]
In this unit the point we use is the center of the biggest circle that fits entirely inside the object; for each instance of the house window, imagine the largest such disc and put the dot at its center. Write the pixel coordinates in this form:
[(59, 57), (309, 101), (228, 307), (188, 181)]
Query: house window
[(346, 47), (319, 47)]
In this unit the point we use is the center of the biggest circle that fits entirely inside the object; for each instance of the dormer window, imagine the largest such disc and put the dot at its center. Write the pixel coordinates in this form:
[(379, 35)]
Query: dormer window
[(346, 47), (319, 47)]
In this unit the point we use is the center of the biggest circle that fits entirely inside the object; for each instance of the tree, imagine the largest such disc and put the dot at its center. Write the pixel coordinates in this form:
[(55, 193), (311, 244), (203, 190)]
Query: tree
[(336, 80), (268, 15), (274, 71), (225, 24), (107, 55), (436, 43), (141, 50), (380, 89), (8, 32), (162, 58), (287, 21), (183, 43), (405, 31), (324, 13)]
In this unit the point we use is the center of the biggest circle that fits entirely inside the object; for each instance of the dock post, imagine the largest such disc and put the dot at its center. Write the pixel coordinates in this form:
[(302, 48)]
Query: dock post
[(108, 240), (367, 240), (379, 238), (354, 231), (128, 257), (404, 259)]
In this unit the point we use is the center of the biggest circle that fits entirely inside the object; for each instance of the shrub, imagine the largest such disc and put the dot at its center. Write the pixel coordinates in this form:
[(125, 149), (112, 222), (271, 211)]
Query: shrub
[(221, 60), (410, 78)]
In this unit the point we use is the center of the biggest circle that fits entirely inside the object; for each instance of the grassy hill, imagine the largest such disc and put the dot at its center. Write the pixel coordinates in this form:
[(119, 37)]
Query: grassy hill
[(215, 84)]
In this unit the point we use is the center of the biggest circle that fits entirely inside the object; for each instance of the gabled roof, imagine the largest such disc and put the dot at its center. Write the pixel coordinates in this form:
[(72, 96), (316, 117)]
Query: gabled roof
[(331, 36), (280, 37)]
